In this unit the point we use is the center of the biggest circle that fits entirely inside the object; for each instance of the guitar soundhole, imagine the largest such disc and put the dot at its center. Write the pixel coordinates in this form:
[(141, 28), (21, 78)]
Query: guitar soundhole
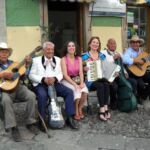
[(15, 70)]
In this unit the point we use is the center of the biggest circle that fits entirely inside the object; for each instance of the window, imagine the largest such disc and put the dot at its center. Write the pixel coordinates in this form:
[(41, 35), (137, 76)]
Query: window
[(136, 19)]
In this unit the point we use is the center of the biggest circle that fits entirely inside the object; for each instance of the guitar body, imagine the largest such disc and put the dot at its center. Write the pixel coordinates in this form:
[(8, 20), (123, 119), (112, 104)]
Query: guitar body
[(8, 85), (140, 71), (21, 70)]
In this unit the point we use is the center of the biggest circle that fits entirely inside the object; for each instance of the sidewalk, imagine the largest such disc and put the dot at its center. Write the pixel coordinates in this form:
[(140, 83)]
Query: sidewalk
[(71, 140), (123, 132)]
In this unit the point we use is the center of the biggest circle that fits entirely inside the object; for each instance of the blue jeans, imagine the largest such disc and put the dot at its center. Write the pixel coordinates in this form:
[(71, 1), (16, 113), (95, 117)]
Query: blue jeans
[(41, 91)]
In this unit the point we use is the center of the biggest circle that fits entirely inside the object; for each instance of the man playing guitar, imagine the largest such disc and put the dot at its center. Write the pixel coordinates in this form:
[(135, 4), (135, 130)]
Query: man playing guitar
[(18, 94), (134, 59)]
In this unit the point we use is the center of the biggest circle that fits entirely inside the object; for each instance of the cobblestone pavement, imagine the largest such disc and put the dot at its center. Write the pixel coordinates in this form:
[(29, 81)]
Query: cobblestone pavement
[(125, 131)]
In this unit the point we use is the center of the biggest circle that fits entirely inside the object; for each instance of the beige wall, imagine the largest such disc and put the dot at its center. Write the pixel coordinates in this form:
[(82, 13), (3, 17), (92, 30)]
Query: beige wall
[(108, 32), (23, 40)]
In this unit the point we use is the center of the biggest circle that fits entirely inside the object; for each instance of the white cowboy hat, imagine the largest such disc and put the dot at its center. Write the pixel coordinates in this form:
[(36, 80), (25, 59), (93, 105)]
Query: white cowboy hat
[(4, 46), (135, 38)]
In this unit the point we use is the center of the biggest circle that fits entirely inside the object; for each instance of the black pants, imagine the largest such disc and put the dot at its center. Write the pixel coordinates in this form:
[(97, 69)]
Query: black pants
[(103, 92), (143, 85)]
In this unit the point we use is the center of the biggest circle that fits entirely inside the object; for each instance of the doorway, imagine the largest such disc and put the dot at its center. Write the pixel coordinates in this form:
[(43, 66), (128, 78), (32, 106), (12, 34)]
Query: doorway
[(65, 23)]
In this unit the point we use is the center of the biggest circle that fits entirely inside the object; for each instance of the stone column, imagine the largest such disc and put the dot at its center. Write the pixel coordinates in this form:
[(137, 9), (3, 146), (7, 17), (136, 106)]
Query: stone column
[(3, 34)]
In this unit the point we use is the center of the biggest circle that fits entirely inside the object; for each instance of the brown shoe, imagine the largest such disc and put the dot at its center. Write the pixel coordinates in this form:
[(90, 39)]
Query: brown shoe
[(16, 134), (33, 128)]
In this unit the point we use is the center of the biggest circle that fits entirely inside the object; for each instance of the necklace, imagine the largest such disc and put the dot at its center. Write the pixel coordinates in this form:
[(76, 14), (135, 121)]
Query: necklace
[(94, 56)]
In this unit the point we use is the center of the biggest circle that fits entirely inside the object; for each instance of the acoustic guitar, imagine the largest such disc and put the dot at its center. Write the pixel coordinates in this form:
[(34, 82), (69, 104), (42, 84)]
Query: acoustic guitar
[(137, 69), (19, 68)]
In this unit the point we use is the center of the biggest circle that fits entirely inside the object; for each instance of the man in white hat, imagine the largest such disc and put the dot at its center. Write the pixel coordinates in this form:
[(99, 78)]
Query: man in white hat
[(19, 94), (131, 57)]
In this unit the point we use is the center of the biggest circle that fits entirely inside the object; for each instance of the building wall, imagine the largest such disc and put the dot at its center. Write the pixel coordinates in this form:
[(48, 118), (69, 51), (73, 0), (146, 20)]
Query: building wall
[(148, 29), (108, 27), (2, 21), (23, 31)]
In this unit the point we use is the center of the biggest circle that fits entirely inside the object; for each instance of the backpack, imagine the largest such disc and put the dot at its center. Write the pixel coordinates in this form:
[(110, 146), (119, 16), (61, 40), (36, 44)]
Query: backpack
[(126, 99)]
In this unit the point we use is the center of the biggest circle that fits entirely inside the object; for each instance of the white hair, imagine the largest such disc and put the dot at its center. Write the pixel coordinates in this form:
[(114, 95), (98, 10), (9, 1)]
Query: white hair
[(48, 43)]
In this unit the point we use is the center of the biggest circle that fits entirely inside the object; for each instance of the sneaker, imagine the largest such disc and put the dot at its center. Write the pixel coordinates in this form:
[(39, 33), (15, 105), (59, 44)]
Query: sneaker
[(33, 128), (16, 135)]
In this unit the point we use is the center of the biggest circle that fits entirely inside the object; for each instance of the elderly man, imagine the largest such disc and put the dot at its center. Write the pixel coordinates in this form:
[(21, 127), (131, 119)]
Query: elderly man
[(112, 55), (18, 94), (131, 57), (46, 71)]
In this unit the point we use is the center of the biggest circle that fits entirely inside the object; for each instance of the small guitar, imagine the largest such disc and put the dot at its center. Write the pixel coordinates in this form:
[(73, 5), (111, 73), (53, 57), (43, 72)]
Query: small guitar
[(8, 85), (139, 70), (56, 119)]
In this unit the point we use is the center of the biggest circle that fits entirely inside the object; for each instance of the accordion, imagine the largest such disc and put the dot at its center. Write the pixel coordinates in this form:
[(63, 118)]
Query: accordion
[(102, 70)]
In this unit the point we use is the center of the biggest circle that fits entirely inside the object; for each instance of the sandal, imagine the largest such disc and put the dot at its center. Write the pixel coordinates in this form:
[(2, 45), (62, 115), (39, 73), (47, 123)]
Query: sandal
[(102, 116), (77, 117), (81, 114), (107, 114)]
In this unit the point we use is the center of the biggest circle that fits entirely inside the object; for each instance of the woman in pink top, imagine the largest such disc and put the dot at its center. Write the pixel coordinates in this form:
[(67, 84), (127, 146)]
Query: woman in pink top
[(71, 64)]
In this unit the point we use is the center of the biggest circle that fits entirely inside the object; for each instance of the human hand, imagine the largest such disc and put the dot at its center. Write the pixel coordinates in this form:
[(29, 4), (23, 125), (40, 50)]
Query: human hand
[(77, 87), (82, 85), (7, 75), (85, 69), (116, 56), (116, 74), (126, 75), (138, 61), (28, 60), (49, 80)]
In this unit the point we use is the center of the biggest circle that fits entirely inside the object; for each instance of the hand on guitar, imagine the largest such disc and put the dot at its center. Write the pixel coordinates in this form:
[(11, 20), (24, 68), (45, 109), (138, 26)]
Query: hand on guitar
[(28, 61), (7, 75), (138, 61)]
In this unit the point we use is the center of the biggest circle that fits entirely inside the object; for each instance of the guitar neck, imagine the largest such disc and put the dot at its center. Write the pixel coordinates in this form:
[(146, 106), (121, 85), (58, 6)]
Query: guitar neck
[(31, 55)]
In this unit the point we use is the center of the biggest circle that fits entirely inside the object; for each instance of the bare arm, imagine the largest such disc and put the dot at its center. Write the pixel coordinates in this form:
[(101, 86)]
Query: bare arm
[(65, 74)]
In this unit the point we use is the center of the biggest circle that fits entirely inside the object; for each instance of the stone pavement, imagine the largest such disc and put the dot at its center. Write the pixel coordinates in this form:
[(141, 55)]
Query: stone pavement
[(88, 137), (73, 140)]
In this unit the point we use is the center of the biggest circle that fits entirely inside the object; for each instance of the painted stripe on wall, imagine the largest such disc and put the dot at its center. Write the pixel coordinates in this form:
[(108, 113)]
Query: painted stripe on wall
[(22, 12), (106, 21)]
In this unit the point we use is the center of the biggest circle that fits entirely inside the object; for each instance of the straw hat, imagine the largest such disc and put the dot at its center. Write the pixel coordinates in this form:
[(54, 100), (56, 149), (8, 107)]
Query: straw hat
[(135, 38), (4, 46)]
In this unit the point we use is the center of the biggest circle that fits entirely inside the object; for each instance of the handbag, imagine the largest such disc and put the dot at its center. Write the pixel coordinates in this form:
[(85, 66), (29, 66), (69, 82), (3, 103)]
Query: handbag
[(76, 79)]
